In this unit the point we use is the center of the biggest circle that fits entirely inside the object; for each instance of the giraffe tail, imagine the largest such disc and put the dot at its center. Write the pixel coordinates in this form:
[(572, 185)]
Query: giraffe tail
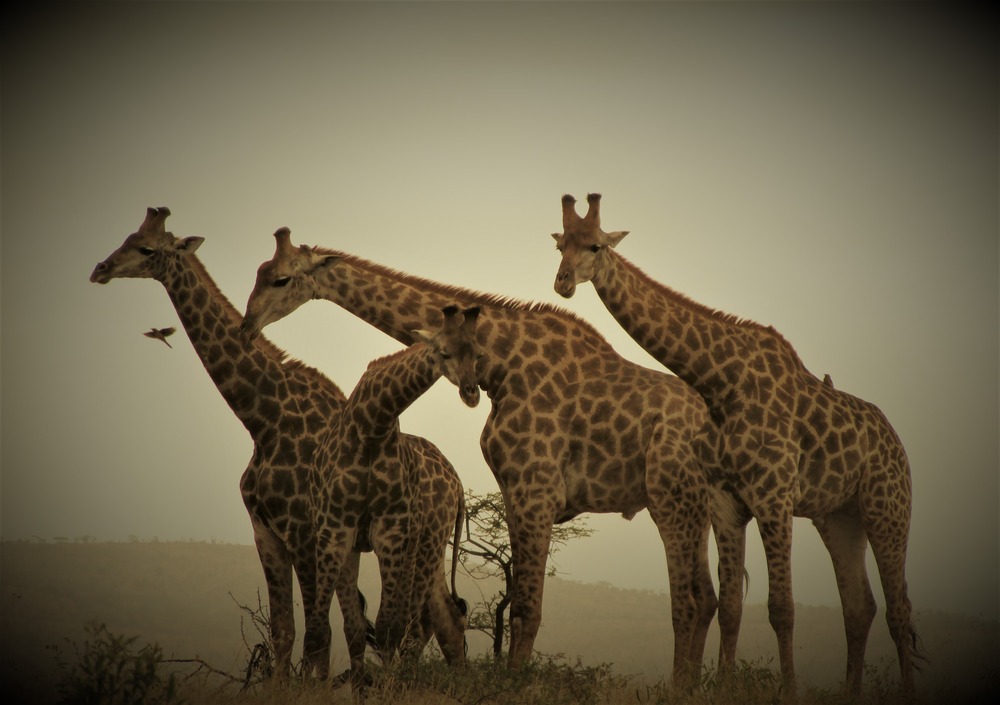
[(918, 656), (462, 605), (369, 626)]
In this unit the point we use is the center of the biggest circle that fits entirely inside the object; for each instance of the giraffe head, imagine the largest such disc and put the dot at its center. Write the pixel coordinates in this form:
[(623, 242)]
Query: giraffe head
[(283, 283), (146, 253), (582, 244), (457, 350)]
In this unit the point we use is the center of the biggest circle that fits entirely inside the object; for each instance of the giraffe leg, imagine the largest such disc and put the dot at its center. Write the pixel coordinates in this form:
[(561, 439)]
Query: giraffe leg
[(396, 614), (705, 599), (426, 626), (355, 627), (899, 610), (776, 534), (277, 565), (530, 533), (316, 642), (844, 536), (678, 503), (428, 572), (682, 603), (888, 528), (730, 518), (336, 574)]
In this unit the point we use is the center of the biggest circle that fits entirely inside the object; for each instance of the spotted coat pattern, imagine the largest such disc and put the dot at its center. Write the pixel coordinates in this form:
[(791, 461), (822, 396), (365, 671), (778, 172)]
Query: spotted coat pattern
[(792, 445), (573, 427), (286, 407), (373, 486)]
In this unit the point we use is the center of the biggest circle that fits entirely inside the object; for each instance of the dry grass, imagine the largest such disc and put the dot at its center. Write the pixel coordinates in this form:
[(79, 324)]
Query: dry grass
[(549, 680), (50, 591)]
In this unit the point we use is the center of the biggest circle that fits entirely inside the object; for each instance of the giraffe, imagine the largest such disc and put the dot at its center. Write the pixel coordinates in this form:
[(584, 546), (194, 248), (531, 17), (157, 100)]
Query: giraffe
[(573, 427), (367, 481), (286, 407), (794, 446)]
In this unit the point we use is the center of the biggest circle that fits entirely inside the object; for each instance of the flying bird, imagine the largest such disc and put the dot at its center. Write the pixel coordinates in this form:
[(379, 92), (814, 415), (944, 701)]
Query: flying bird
[(161, 334)]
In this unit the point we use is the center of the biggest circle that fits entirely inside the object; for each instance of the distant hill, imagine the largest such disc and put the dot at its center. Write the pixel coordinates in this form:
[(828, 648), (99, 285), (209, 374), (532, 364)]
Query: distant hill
[(186, 597)]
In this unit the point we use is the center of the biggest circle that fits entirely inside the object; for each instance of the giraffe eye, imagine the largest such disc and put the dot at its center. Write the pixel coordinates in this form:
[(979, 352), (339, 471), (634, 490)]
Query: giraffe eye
[(146, 251), (595, 248), (280, 282)]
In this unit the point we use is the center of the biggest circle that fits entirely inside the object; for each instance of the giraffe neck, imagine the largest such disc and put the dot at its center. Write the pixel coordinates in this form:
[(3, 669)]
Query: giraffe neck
[(517, 338), (705, 348), (389, 386), (252, 379), (395, 303)]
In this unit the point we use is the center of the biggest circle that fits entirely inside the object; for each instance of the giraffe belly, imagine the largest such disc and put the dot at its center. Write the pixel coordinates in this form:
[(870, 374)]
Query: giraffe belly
[(824, 486), (612, 490)]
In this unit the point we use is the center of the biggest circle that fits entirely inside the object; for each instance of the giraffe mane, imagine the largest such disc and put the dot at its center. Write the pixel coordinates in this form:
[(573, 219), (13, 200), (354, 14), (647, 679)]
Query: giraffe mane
[(467, 296), (270, 349), (746, 324)]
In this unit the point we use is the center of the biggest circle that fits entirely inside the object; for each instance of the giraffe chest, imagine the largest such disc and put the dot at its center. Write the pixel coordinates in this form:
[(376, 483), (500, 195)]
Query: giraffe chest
[(277, 497)]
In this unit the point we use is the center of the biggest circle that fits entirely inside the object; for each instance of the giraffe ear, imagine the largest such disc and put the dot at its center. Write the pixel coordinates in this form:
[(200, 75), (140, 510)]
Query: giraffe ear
[(421, 336), (612, 239), (318, 262), (188, 245), (470, 315), (557, 237)]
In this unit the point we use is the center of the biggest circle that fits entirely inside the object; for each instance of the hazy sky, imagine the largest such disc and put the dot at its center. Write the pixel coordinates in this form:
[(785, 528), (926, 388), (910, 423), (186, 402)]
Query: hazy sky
[(829, 169)]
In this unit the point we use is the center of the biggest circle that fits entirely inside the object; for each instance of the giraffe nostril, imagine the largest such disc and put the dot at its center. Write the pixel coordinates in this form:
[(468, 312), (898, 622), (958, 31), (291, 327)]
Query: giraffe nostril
[(100, 275)]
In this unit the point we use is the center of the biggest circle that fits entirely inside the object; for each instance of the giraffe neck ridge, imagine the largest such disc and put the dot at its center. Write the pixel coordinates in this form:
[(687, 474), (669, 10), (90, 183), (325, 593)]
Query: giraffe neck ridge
[(703, 346), (398, 303)]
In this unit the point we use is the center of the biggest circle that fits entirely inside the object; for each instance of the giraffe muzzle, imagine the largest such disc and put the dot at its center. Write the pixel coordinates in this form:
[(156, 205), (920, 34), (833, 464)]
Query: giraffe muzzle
[(101, 273), (469, 394), (565, 284)]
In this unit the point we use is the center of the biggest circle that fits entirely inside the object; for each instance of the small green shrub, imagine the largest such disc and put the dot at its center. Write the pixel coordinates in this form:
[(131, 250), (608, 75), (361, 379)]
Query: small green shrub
[(108, 670)]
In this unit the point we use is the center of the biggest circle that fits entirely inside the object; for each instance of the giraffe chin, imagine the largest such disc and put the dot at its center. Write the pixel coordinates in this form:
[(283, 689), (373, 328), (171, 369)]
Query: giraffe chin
[(565, 289)]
